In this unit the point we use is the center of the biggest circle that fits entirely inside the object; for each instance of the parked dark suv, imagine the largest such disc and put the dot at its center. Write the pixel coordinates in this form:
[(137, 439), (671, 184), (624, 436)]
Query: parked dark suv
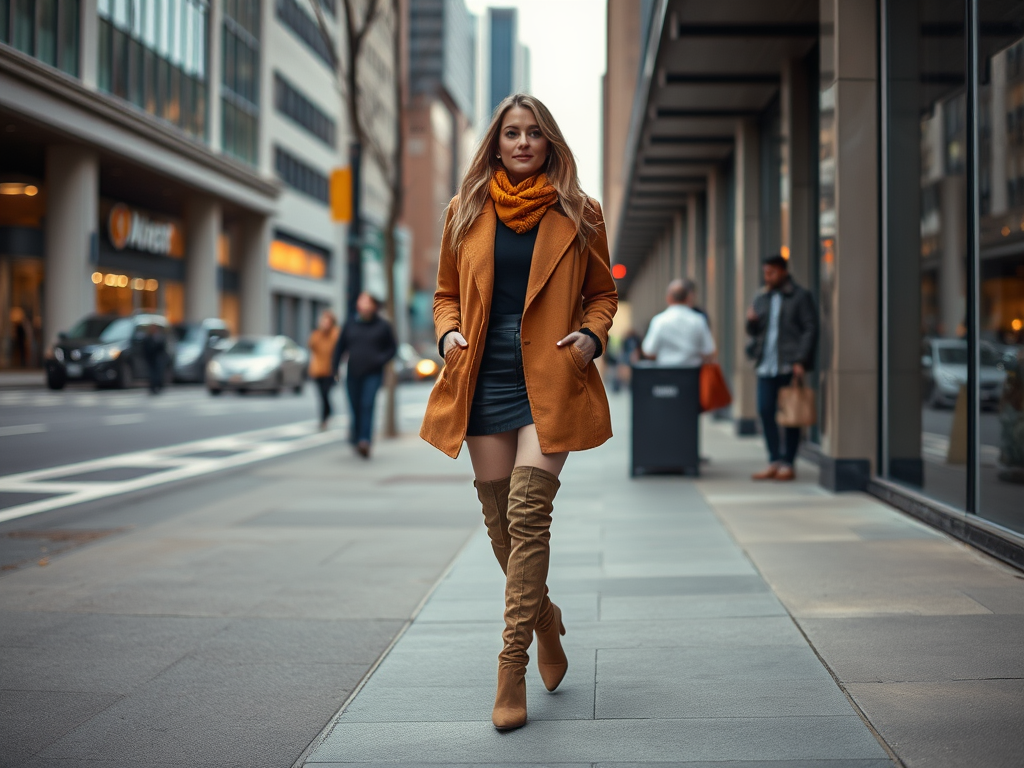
[(197, 344), (106, 349)]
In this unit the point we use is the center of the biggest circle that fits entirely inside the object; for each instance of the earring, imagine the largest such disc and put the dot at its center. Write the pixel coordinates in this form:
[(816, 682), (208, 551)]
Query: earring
[(498, 156)]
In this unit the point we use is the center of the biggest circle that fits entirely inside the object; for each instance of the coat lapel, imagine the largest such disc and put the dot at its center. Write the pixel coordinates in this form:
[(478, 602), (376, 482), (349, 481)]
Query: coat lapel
[(478, 250), (554, 236)]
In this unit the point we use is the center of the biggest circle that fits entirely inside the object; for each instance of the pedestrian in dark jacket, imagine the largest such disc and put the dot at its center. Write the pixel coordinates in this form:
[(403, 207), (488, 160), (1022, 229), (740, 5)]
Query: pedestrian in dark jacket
[(783, 329), (369, 342), (154, 349)]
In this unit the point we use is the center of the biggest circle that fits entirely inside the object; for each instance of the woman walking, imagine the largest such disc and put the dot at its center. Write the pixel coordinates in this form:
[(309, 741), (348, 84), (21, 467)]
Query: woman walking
[(321, 348), (524, 302)]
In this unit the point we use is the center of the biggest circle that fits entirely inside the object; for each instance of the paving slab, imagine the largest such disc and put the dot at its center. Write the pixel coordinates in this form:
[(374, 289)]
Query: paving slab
[(230, 618), (679, 652)]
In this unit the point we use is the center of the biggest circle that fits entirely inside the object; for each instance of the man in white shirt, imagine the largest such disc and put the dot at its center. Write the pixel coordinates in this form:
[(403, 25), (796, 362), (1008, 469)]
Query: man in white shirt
[(679, 336)]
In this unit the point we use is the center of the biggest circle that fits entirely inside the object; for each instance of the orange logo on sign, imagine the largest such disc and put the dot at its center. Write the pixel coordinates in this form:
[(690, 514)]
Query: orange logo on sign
[(119, 225)]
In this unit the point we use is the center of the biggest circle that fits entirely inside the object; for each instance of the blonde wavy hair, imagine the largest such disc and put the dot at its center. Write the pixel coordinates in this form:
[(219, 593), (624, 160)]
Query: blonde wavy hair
[(474, 191)]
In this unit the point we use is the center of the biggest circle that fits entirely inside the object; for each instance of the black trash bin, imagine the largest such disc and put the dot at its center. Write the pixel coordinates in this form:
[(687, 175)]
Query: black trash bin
[(666, 420)]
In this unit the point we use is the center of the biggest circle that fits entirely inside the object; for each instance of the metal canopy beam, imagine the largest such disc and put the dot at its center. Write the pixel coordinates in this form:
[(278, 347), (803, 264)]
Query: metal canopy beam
[(686, 29)]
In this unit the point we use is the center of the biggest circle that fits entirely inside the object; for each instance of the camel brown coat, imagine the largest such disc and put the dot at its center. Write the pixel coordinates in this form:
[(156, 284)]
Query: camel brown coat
[(567, 290)]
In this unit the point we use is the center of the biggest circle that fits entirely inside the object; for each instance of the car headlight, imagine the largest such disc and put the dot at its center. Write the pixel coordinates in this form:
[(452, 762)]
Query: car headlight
[(215, 369), (426, 367), (105, 354)]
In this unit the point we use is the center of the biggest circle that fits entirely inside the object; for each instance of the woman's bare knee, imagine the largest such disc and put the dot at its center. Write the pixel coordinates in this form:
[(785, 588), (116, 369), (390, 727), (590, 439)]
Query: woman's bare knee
[(529, 454)]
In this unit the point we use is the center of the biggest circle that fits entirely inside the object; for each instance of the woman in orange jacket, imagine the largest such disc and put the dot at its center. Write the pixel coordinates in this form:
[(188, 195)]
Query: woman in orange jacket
[(321, 347), (524, 302)]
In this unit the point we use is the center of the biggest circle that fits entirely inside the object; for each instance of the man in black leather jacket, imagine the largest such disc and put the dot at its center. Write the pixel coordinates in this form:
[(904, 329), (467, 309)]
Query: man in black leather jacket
[(783, 329)]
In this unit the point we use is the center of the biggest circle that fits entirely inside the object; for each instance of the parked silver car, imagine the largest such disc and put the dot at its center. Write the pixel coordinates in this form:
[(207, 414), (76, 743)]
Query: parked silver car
[(258, 363), (198, 343), (944, 368)]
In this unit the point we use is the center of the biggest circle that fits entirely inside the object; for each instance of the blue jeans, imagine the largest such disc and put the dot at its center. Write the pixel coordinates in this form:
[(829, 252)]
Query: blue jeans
[(767, 403), (362, 394)]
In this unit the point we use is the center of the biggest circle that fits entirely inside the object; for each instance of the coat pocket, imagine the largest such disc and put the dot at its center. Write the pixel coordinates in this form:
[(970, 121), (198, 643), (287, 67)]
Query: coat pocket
[(577, 357)]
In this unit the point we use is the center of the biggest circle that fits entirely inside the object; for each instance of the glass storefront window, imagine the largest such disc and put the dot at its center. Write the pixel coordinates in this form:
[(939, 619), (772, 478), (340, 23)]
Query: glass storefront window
[(1001, 233), (21, 303), (926, 398), (928, 426)]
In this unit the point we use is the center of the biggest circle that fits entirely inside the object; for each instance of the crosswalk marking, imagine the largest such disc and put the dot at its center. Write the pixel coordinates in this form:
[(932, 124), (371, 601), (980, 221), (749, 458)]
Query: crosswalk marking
[(177, 462)]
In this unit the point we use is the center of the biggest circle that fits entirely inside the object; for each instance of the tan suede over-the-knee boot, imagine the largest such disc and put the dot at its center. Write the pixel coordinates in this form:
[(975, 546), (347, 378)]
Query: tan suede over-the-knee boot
[(551, 661), (531, 495)]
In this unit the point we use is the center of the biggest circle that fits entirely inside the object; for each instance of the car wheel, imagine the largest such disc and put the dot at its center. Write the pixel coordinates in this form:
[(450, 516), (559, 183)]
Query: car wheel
[(123, 380), (276, 389), (55, 381), (297, 389), (214, 391)]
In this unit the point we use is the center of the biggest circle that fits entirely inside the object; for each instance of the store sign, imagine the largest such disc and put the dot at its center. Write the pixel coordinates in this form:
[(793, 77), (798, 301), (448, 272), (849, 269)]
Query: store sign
[(295, 260), (129, 228)]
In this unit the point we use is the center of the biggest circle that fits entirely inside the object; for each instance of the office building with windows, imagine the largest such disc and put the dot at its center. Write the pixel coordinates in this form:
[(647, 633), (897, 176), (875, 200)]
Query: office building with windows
[(440, 136), (503, 63), (877, 146), (304, 140), (127, 166), (173, 156)]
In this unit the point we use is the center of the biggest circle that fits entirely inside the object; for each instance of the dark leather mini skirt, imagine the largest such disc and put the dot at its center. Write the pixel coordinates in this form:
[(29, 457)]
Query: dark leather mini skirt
[(500, 403)]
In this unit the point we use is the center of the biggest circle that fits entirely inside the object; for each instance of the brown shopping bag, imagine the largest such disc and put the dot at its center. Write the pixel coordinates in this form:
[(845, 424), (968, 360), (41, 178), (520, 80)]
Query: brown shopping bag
[(796, 405)]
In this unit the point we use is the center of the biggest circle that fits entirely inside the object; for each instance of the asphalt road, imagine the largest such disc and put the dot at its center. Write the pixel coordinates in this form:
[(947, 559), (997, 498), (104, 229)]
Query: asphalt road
[(41, 429), (220, 621)]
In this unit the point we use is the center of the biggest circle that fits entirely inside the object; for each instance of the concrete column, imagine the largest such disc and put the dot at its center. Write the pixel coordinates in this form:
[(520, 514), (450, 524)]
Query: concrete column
[(88, 42), (214, 74), (254, 289), (693, 258), (72, 220), (903, 304), (849, 436), (747, 270), (202, 229), (717, 288), (797, 206)]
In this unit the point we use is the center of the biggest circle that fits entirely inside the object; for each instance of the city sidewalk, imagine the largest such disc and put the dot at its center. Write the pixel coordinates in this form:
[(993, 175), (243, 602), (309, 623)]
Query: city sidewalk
[(714, 622)]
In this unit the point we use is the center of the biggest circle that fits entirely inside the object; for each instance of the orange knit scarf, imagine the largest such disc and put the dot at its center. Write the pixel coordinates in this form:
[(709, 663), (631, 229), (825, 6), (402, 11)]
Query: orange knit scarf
[(522, 206)]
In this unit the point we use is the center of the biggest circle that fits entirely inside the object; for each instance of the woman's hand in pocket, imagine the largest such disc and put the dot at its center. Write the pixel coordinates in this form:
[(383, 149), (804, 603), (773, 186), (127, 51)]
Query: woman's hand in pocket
[(585, 345), (454, 340)]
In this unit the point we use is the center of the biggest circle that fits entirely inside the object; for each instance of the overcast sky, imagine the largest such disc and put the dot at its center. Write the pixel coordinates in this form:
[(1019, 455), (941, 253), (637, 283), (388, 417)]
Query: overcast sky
[(566, 39)]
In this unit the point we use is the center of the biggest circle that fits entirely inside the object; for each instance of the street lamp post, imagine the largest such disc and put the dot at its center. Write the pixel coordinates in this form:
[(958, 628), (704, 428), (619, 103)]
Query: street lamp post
[(354, 277)]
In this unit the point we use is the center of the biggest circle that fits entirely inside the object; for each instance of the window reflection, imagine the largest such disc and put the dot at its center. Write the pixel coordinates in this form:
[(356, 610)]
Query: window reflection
[(1001, 230), (927, 366), (927, 247), (153, 54)]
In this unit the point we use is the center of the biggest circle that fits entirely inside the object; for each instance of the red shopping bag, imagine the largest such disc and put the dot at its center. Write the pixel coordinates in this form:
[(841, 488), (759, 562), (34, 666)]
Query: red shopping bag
[(714, 392)]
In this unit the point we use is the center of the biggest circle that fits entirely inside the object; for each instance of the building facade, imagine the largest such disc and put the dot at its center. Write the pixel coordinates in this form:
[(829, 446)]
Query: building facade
[(503, 63), (439, 125), (175, 156), (877, 146), (304, 139)]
